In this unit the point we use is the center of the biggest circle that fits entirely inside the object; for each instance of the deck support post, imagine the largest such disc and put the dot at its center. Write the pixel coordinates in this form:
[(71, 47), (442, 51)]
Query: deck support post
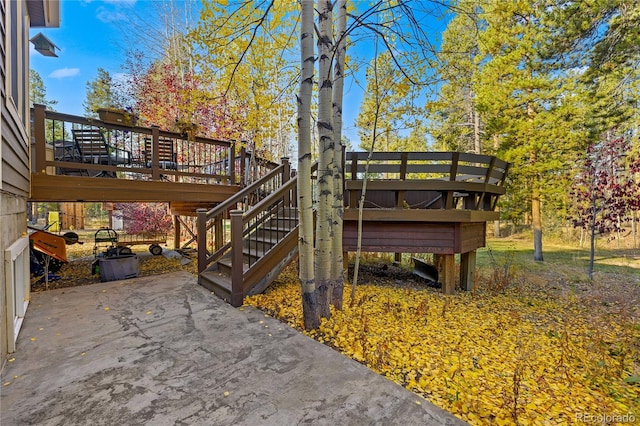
[(39, 136), (237, 272), (176, 232), (201, 227), (467, 270), (231, 163), (446, 271)]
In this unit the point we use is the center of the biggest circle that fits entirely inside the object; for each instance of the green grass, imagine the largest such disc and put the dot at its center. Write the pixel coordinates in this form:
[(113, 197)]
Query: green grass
[(570, 260)]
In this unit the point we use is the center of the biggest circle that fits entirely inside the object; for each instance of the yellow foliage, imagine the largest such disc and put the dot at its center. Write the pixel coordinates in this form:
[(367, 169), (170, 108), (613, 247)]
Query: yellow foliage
[(518, 356)]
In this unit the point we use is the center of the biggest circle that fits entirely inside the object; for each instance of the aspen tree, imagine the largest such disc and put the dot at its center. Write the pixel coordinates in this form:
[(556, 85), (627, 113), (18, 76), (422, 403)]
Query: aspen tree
[(324, 221), (305, 200)]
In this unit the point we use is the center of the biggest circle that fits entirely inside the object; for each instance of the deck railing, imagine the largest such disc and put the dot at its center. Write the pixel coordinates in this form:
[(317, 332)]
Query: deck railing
[(424, 180), (134, 152)]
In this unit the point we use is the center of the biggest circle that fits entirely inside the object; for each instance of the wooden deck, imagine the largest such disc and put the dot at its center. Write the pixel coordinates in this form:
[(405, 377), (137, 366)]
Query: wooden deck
[(423, 202), (415, 202), (126, 163)]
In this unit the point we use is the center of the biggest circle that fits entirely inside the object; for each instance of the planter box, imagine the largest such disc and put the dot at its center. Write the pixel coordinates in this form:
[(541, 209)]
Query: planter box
[(119, 267), (116, 116)]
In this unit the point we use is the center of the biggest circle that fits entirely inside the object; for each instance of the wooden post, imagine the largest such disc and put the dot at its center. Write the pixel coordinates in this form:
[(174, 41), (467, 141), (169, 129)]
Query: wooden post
[(345, 265), (201, 226), (39, 135), (286, 175), (176, 232), (448, 204), (155, 152), (232, 164), (353, 197), (243, 167), (467, 270), (237, 272), (446, 272), (403, 175)]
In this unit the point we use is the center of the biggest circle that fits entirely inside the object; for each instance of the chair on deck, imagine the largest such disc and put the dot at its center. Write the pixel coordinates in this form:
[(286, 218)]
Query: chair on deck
[(92, 147), (167, 157)]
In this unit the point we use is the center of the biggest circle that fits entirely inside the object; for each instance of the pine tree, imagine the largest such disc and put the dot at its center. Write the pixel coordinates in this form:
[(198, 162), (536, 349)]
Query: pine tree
[(38, 92), (391, 103), (528, 108), (101, 93), (454, 117)]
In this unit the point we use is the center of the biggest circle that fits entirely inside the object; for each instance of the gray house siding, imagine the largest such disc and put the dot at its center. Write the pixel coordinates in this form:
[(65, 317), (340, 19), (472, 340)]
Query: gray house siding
[(14, 145)]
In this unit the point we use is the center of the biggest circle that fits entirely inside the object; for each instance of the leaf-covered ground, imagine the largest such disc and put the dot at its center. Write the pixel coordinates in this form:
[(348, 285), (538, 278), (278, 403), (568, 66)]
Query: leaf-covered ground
[(533, 352), (78, 270), (536, 343)]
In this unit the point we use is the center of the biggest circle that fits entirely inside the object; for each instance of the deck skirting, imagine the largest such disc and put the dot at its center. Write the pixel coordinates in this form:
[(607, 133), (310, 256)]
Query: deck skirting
[(415, 237)]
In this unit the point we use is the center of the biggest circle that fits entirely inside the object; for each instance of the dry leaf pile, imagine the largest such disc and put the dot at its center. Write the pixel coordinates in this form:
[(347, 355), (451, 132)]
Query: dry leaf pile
[(524, 355)]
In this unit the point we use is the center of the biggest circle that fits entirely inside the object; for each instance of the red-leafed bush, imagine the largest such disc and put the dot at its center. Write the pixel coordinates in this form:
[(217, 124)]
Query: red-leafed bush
[(144, 218), (607, 189)]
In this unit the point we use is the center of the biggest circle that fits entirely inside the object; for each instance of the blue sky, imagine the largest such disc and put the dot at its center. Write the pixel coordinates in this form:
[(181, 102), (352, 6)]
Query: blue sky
[(91, 37)]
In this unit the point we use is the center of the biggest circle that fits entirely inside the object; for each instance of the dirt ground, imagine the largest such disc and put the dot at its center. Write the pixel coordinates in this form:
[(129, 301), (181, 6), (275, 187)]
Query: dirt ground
[(78, 271)]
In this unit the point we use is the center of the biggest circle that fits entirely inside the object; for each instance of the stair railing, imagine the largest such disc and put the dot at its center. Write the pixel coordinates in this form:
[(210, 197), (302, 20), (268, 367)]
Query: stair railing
[(213, 247), (249, 264)]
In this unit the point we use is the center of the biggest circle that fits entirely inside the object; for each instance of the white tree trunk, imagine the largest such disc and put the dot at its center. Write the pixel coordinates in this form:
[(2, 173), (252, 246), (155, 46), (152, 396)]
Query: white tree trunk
[(324, 223), (305, 201), (337, 261)]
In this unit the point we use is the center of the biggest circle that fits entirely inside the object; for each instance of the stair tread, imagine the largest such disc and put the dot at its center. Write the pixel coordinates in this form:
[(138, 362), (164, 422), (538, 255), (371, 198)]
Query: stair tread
[(228, 263), (262, 239), (267, 235), (219, 279)]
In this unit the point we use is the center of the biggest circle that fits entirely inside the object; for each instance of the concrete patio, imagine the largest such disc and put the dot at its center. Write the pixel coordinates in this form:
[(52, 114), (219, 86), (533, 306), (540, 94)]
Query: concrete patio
[(162, 350)]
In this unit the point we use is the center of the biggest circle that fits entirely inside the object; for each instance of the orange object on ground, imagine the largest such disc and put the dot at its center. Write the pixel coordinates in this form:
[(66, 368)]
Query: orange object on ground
[(48, 243)]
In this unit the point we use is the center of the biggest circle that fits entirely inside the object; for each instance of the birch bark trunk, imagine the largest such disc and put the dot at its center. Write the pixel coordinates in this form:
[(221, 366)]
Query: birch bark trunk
[(337, 264), (305, 201), (324, 222)]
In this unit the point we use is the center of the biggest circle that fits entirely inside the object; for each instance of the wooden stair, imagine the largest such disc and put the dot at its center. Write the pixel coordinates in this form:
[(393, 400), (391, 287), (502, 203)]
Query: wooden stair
[(254, 235), (268, 248)]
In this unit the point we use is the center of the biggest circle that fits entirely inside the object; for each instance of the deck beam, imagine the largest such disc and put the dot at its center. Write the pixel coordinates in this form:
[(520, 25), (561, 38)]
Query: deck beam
[(79, 188)]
